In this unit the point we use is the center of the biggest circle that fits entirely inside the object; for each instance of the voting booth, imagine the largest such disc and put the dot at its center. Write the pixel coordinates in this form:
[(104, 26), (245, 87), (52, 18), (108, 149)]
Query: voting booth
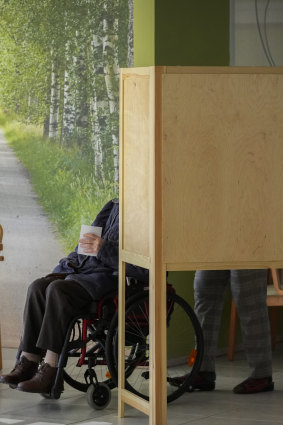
[(201, 186)]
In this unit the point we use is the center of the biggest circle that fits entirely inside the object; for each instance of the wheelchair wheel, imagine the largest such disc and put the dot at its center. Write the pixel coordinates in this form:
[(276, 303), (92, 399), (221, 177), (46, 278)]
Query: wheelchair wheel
[(98, 396), (82, 369), (184, 346)]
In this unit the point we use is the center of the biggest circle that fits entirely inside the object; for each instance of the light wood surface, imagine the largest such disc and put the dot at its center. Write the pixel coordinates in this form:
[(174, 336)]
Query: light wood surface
[(136, 160), (200, 158), (157, 270), (222, 144), (135, 401)]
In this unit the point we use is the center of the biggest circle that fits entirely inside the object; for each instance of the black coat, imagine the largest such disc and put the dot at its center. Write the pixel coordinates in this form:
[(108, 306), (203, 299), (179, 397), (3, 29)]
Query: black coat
[(99, 275)]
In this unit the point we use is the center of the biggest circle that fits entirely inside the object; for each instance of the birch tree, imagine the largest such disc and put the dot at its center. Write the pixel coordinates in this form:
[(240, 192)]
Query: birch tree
[(97, 106), (111, 71), (54, 99), (69, 107), (130, 60), (82, 105), (59, 68)]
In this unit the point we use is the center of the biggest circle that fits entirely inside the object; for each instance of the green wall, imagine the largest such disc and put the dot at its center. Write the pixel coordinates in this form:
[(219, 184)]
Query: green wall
[(144, 27), (186, 33), (181, 32)]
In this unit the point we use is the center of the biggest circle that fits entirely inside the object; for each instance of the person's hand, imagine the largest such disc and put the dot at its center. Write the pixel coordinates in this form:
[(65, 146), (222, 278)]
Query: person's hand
[(90, 243)]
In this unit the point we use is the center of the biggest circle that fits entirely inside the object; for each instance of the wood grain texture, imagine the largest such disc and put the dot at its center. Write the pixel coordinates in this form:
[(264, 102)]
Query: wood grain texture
[(223, 169), (135, 164), (201, 175)]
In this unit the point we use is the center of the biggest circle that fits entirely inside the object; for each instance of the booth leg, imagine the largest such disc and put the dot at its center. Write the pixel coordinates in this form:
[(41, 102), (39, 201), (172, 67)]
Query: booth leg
[(121, 335), (158, 347)]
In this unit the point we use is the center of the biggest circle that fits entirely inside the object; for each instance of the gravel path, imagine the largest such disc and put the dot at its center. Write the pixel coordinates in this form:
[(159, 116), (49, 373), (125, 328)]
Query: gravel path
[(31, 249)]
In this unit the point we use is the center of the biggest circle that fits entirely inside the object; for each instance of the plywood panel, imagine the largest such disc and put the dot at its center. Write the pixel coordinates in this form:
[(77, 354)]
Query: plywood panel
[(223, 168), (201, 184), (135, 163)]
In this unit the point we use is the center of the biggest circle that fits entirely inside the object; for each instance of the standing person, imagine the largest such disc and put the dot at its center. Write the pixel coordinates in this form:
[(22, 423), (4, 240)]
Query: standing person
[(52, 301), (248, 289)]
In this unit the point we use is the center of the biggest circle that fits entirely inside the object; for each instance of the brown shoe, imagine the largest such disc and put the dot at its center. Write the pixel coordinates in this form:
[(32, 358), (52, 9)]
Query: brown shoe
[(24, 370), (41, 382), (254, 385)]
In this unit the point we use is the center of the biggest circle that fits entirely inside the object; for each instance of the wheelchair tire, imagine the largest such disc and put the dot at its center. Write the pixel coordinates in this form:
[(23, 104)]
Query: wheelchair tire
[(98, 396), (77, 376), (184, 346)]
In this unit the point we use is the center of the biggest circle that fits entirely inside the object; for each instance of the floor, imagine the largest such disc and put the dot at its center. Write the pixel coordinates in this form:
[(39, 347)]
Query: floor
[(219, 407)]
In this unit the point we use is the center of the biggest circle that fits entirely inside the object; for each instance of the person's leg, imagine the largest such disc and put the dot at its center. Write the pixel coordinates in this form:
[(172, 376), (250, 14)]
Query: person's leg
[(27, 365), (249, 293), (209, 291), (34, 311), (65, 299)]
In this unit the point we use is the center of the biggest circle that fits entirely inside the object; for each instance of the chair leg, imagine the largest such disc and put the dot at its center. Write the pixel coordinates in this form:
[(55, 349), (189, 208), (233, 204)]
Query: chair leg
[(232, 331), (0, 352), (273, 325)]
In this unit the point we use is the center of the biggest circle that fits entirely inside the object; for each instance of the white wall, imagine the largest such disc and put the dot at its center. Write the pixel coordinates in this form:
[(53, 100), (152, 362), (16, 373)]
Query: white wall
[(246, 47)]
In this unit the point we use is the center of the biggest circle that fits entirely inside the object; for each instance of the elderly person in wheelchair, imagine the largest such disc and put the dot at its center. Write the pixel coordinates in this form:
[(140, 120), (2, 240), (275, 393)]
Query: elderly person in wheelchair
[(52, 301)]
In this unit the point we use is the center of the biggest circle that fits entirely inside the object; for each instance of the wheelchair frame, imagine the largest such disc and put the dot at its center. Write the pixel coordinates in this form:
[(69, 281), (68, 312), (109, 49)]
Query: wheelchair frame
[(100, 325)]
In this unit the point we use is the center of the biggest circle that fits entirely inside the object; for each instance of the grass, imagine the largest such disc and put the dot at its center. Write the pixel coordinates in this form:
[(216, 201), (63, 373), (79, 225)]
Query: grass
[(62, 179)]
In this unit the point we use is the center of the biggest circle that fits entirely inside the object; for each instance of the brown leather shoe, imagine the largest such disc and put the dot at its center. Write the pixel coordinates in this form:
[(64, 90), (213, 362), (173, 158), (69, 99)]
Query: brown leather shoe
[(24, 370), (254, 385), (41, 382)]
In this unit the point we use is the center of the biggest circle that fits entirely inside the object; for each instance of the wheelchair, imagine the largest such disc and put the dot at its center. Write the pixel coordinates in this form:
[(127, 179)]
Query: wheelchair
[(88, 361)]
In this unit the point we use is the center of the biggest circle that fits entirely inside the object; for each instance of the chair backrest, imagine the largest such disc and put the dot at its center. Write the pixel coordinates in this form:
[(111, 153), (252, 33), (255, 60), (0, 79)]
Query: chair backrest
[(1, 245), (274, 288), (277, 280)]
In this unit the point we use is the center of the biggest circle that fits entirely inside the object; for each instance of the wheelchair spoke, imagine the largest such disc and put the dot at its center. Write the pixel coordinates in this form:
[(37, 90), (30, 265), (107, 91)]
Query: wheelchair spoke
[(184, 336)]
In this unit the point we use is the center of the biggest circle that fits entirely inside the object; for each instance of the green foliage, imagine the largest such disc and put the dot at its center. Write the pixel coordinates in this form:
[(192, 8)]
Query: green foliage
[(59, 58), (65, 183)]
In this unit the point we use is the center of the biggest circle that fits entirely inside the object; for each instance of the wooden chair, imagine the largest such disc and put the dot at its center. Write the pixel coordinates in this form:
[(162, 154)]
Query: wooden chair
[(274, 299), (1, 245), (1, 259)]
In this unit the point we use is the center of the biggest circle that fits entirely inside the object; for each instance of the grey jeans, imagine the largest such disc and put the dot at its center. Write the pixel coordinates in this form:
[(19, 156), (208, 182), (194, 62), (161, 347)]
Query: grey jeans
[(248, 289)]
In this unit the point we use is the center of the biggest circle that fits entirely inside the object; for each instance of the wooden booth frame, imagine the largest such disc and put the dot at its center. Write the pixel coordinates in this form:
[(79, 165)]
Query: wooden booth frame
[(201, 175)]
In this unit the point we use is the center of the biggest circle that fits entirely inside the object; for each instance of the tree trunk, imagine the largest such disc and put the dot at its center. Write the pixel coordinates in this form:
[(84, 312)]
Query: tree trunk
[(69, 109), (82, 106), (131, 34), (46, 127), (54, 101), (98, 107), (111, 70), (96, 141)]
